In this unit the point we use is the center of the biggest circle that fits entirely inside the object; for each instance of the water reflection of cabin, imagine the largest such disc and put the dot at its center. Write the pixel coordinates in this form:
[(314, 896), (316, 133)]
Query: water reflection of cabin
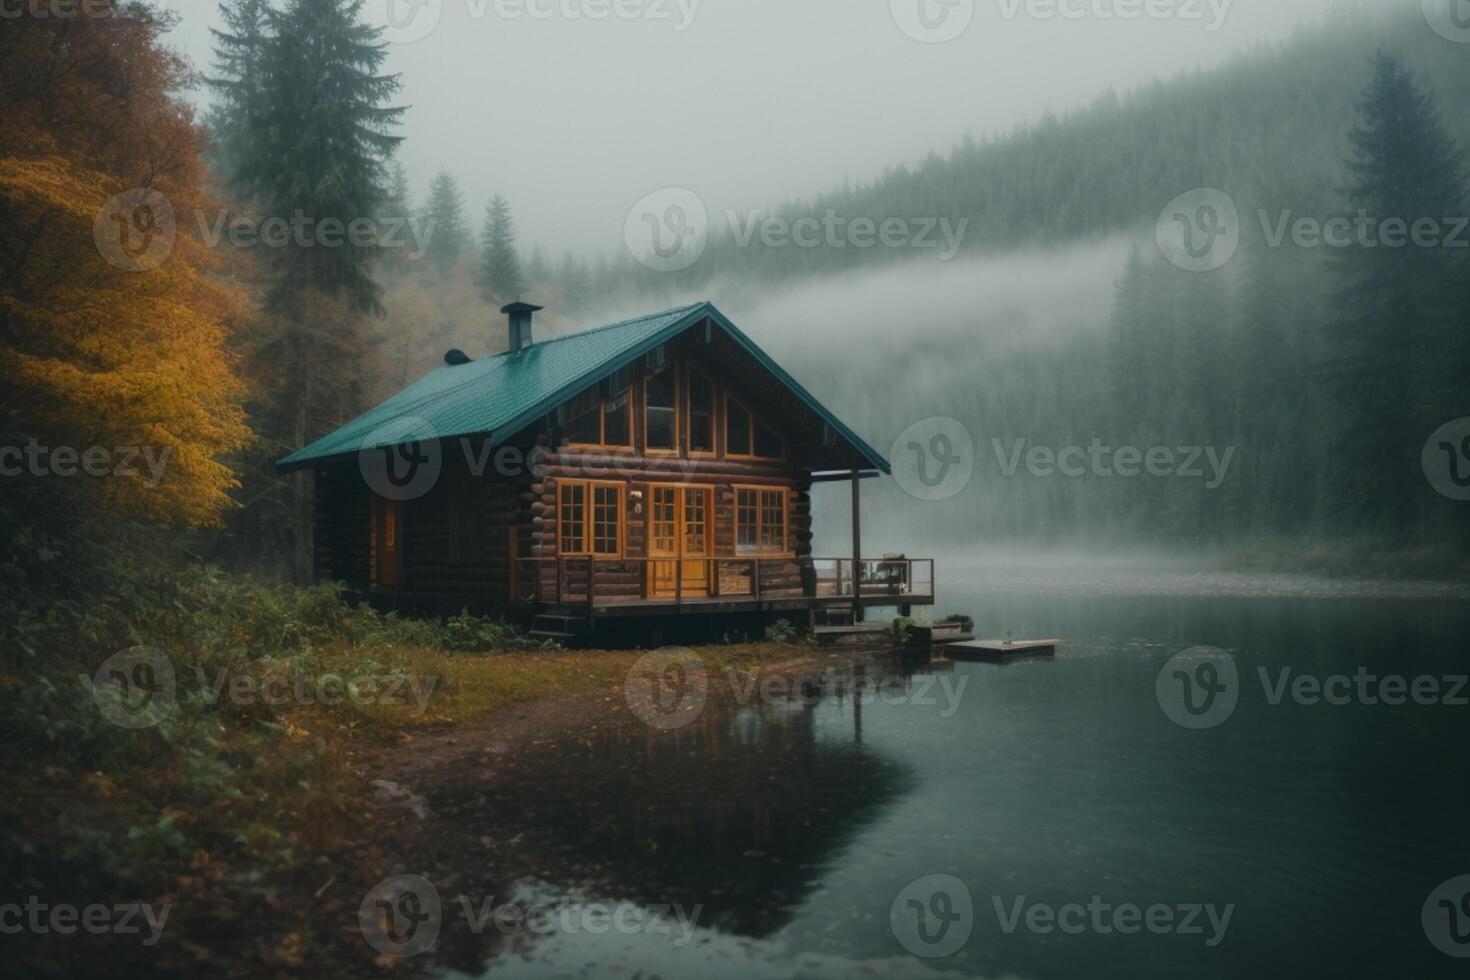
[(661, 465)]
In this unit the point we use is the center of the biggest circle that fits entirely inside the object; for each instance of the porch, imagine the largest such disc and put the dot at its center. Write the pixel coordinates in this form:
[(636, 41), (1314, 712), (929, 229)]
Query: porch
[(590, 588)]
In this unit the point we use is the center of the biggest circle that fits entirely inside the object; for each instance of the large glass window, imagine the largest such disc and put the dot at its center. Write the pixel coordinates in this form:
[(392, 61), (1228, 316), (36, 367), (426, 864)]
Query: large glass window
[(590, 518), (616, 419), (661, 393), (746, 435), (598, 421), (760, 521), (701, 413), (571, 518)]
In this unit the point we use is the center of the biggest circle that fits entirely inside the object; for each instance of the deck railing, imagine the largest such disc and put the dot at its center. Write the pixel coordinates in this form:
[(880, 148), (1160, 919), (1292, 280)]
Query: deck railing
[(590, 580)]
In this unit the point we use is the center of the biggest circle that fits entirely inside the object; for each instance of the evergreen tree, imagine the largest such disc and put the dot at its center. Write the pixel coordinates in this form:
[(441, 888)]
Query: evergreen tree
[(1124, 364), (314, 148), (538, 270), (237, 79), (500, 267), (443, 221), (1392, 305), (576, 284), (399, 201), (319, 140)]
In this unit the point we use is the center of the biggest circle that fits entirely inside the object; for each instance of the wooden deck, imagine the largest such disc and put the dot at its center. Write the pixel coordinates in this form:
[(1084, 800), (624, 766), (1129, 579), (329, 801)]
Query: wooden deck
[(662, 585)]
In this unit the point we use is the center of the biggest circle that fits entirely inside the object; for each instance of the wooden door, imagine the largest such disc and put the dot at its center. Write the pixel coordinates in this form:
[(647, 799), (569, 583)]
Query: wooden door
[(679, 530), (387, 543), (695, 525)]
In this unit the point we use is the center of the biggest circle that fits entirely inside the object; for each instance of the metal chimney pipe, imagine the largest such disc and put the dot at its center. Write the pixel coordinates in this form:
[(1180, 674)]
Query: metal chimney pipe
[(519, 337)]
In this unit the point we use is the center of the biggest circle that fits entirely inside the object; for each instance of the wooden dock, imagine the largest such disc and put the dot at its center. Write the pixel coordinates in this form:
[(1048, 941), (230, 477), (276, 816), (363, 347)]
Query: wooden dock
[(1002, 650)]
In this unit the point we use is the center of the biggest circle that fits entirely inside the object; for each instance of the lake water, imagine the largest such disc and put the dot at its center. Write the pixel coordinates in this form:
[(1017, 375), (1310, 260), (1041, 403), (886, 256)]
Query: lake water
[(838, 835)]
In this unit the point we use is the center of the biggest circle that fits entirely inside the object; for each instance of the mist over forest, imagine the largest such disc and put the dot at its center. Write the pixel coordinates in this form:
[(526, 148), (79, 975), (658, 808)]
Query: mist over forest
[(1059, 321)]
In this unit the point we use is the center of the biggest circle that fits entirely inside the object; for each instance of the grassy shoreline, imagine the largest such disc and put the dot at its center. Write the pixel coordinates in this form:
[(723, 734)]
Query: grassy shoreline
[(257, 824)]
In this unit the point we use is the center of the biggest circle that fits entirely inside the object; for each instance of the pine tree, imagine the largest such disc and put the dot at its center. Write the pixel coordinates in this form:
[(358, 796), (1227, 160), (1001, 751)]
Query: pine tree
[(315, 147), (1392, 307), (237, 79), (443, 221), (399, 201), (576, 284), (1124, 364), (319, 141), (500, 267)]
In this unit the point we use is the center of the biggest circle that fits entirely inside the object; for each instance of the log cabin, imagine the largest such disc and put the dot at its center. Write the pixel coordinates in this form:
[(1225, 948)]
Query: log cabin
[(653, 468)]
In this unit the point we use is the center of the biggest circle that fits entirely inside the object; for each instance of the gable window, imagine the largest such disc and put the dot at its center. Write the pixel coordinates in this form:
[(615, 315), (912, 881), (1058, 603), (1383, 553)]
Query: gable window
[(760, 521), (617, 419), (589, 518), (661, 429), (599, 421), (746, 435), (701, 413)]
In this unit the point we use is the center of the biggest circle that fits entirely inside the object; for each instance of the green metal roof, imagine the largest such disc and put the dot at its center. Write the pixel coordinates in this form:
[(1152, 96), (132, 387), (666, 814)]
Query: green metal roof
[(503, 393)]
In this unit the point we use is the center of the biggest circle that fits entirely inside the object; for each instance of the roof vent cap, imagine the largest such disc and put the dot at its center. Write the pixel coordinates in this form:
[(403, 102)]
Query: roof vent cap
[(455, 357)]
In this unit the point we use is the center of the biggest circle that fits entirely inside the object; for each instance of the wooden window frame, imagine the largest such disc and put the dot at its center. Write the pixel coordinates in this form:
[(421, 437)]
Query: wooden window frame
[(754, 418), (672, 365), (589, 521), (715, 421), (758, 489), (601, 411)]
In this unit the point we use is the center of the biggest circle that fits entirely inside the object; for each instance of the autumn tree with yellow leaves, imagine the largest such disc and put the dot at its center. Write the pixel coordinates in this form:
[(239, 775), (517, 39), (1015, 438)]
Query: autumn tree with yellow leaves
[(115, 327)]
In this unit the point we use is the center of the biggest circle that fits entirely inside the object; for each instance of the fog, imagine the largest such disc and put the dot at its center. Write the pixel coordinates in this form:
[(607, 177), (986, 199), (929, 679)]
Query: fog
[(746, 102)]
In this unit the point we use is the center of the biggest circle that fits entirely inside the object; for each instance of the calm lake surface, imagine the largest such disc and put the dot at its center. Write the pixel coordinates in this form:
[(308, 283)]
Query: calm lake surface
[(799, 827)]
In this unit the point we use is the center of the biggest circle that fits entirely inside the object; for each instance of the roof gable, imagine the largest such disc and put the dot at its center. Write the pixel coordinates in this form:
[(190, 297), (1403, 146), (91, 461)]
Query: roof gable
[(503, 393)]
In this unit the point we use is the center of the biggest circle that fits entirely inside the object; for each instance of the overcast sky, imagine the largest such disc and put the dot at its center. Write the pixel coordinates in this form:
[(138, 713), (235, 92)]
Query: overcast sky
[(747, 102)]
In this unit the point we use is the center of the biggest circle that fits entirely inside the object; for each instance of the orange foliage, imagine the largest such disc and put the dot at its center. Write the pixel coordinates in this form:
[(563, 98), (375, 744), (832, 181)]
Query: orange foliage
[(114, 332)]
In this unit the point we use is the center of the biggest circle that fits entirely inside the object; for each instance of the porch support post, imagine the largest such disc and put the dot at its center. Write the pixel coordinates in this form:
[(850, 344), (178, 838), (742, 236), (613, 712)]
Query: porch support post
[(857, 551)]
